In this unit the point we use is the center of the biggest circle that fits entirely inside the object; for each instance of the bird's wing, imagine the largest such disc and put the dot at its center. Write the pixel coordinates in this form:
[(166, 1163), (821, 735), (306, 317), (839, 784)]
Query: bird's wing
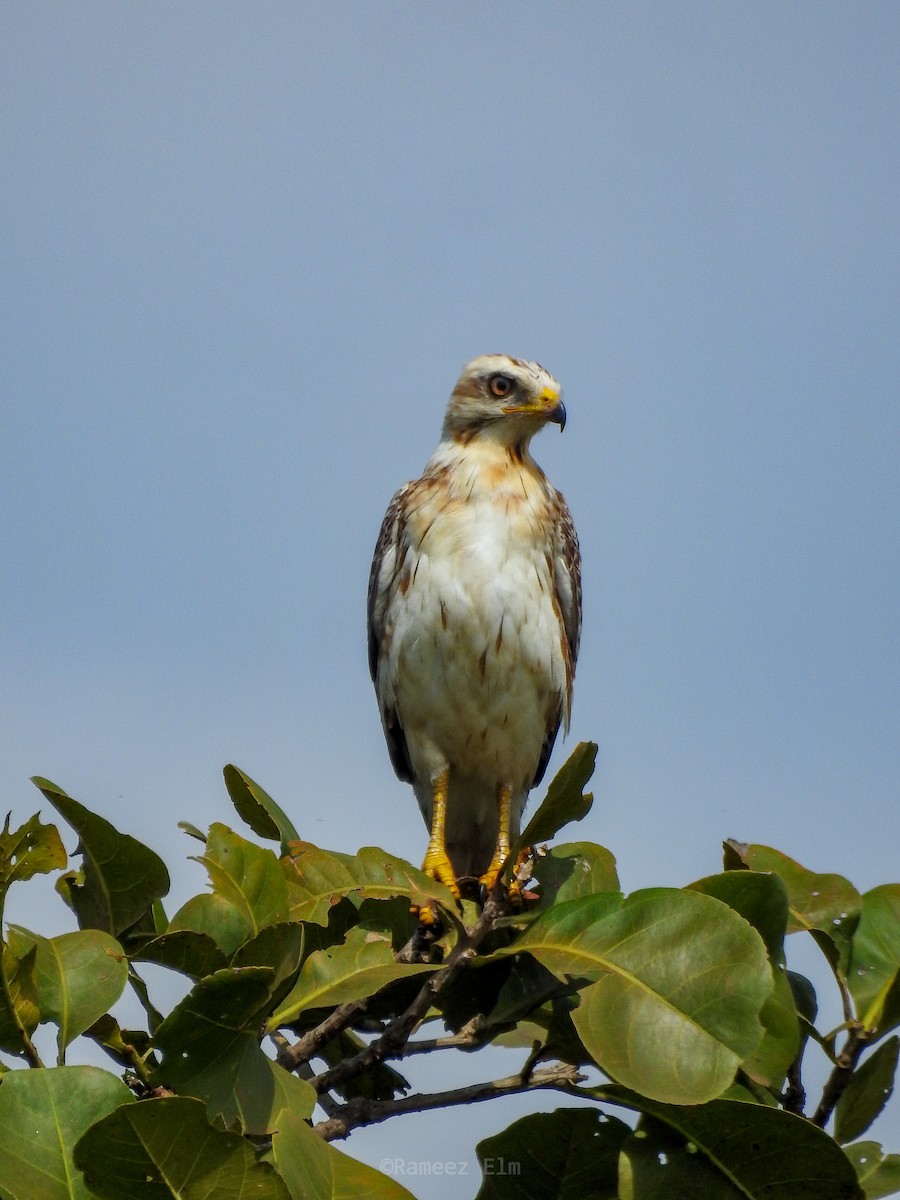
[(567, 577), (565, 556), (391, 551)]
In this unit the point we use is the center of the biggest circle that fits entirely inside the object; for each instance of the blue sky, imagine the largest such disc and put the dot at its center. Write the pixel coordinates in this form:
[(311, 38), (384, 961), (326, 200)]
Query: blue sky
[(249, 247)]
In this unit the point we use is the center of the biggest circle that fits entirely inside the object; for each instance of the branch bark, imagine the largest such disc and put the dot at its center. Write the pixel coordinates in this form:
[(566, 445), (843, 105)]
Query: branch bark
[(561, 1077), (294, 1057), (395, 1037), (856, 1042)]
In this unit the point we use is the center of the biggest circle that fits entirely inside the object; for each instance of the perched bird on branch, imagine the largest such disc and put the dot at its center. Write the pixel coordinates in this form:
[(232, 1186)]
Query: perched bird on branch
[(474, 616)]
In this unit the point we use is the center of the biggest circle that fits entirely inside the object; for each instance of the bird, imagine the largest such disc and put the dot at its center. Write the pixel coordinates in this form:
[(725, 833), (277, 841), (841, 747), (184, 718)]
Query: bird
[(474, 621)]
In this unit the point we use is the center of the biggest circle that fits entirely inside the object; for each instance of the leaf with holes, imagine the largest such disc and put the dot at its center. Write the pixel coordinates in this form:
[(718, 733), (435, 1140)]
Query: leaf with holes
[(215, 1013), (32, 849), (729, 1150), (878, 1173)]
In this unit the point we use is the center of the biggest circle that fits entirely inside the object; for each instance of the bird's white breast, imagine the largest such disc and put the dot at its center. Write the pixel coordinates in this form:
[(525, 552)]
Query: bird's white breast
[(475, 654)]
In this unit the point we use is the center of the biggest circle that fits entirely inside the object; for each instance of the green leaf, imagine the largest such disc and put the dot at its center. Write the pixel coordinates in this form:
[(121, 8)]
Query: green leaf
[(828, 904), (244, 1089), (867, 1092), (249, 877), (874, 974), (770, 1060), (564, 801), (315, 1170), (318, 879), (126, 1046), (762, 900), (574, 869), (360, 967), (43, 1113), (215, 918), (19, 1013), (257, 808), (77, 976), (569, 1154), (167, 1150), (191, 830), (122, 877), (185, 950), (208, 1022), (657, 1164), (682, 981), (277, 946), (743, 1152), (878, 1173), (32, 849), (527, 987)]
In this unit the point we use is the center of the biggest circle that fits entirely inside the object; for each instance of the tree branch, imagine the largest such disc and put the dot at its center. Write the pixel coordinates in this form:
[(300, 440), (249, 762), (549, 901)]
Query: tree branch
[(293, 1057), (856, 1042), (395, 1037), (561, 1077), (794, 1098)]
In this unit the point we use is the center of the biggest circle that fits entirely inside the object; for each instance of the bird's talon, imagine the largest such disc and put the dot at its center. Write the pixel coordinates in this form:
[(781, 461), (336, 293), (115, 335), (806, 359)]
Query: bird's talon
[(429, 917)]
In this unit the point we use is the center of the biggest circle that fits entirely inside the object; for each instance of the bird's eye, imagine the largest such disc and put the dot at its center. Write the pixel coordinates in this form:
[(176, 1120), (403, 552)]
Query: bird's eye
[(501, 385)]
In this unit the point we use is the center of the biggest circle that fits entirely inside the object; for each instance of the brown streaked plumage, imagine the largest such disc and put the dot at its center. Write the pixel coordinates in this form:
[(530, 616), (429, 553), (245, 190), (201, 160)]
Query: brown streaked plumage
[(474, 618)]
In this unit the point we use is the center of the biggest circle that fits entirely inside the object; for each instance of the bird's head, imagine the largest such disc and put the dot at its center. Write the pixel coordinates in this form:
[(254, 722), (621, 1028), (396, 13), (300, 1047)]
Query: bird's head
[(503, 398)]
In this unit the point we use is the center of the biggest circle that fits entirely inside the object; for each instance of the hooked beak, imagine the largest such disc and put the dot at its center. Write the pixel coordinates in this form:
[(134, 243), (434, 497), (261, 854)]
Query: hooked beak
[(558, 415), (548, 405)]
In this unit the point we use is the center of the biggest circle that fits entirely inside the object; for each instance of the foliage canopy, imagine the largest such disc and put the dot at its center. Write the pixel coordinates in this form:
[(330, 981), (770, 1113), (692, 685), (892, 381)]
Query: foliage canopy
[(310, 983)]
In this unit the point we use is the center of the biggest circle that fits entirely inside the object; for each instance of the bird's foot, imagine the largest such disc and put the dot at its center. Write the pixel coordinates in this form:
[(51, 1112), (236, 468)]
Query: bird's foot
[(437, 864), (517, 896)]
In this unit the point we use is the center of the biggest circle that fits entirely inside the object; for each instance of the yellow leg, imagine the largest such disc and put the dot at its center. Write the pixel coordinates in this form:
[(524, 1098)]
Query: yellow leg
[(437, 862), (501, 853)]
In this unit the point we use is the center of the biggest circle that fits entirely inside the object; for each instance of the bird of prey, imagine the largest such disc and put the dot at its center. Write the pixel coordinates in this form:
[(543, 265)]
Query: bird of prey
[(474, 617)]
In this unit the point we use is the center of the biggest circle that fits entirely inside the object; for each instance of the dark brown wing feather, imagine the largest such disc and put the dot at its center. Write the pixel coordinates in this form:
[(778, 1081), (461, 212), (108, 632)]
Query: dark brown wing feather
[(566, 562), (386, 565)]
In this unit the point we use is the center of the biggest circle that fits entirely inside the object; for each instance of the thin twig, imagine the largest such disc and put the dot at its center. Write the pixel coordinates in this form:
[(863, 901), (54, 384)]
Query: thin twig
[(561, 1077), (455, 1041)]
